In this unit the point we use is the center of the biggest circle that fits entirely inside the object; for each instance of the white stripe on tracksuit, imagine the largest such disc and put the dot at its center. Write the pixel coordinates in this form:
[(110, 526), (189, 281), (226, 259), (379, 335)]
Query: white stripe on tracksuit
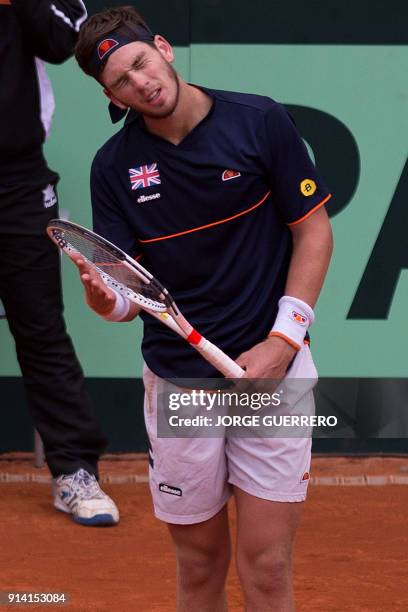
[(75, 25), (47, 102)]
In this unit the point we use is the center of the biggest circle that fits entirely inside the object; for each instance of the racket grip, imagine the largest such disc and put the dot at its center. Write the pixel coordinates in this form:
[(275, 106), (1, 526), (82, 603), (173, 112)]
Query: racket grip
[(219, 359)]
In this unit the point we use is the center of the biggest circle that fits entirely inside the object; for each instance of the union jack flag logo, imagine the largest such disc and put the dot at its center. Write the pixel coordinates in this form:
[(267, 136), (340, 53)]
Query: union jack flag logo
[(144, 176)]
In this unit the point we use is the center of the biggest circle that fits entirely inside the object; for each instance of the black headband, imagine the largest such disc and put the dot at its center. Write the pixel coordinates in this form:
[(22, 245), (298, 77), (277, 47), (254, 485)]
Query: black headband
[(105, 46)]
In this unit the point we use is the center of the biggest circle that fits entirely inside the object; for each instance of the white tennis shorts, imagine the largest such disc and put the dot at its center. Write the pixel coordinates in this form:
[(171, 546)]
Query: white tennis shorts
[(191, 478)]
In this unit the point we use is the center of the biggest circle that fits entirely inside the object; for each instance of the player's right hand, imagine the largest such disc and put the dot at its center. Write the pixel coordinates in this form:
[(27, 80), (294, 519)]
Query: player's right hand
[(97, 295)]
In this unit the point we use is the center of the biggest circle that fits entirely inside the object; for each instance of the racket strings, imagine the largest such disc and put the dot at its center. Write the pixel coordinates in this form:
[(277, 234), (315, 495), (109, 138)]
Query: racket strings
[(113, 270)]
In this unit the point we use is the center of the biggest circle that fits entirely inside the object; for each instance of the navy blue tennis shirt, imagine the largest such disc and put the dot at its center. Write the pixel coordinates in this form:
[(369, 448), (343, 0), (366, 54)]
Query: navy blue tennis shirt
[(210, 218)]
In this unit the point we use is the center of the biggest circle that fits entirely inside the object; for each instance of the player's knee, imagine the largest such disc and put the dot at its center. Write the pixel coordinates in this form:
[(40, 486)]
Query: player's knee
[(266, 571), (199, 566)]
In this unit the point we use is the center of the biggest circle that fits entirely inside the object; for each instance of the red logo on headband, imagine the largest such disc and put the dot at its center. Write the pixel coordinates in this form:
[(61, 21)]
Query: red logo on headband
[(105, 46)]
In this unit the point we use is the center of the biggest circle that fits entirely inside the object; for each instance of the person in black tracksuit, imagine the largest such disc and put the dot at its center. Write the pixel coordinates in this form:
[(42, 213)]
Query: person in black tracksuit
[(33, 31)]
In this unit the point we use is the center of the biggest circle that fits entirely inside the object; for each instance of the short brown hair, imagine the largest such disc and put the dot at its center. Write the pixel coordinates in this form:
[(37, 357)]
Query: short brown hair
[(100, 25)]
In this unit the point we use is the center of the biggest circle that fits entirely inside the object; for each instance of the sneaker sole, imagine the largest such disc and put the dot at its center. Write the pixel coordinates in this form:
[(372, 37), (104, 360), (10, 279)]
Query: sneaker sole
[(99, 520)]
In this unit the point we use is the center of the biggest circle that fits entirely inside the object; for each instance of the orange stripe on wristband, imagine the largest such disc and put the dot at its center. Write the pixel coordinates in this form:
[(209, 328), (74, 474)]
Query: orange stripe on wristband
[(194, 337), (286, 339)]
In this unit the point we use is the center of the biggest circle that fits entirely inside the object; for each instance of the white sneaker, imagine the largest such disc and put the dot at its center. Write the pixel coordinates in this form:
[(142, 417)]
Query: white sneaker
[(79, 494)]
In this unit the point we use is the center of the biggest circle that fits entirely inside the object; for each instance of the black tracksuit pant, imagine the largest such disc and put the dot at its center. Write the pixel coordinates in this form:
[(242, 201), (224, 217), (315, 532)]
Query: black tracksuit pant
[(30, 289)]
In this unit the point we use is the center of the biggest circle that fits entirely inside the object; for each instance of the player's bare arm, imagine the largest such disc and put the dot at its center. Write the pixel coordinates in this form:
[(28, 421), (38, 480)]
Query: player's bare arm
[(98, 296), (312, 249)]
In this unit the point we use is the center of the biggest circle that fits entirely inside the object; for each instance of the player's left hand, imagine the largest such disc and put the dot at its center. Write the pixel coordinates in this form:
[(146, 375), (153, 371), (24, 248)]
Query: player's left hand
[(268, 359)]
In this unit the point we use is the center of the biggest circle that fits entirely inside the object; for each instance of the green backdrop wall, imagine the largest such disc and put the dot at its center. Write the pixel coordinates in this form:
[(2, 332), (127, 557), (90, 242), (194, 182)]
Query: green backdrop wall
[(342, 72)]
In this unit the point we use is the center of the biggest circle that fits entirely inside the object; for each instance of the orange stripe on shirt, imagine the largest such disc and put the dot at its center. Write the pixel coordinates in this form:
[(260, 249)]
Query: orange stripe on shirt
[(5, 1), (197, 229), (310, 211)]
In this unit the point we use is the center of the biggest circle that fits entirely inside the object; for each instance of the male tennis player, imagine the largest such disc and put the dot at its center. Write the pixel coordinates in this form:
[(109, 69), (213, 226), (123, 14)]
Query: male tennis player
[(216, 192)]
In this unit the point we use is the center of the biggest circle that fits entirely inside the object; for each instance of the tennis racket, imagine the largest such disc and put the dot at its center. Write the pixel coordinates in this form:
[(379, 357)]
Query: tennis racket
[(126, 276)]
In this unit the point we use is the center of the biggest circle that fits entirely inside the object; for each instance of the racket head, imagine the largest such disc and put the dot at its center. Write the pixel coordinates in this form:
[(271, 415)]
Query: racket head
[(116, 268)]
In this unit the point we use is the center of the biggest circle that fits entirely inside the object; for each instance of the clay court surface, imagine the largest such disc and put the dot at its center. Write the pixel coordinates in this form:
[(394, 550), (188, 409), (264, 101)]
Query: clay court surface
[(351, 551)]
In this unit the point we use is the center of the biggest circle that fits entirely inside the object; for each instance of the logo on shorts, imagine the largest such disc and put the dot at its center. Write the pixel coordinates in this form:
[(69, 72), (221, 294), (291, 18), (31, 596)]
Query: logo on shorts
[(308, 187), (305, 477), (164, 488), (298, 318), (227, 175), (49, 197), (105, 46)]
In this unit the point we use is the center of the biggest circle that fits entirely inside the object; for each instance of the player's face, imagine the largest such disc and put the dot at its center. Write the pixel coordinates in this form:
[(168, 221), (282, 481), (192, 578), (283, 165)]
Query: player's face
[(141, 77)]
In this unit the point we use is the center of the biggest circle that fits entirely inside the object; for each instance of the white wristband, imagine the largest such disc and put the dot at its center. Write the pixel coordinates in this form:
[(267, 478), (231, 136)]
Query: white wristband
[(120, 309), (292, 321)]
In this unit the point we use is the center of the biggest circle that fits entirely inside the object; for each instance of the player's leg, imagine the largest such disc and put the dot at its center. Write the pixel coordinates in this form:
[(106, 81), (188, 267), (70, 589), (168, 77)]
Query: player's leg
[(265, 535), (270, 474), (203, 557), (189, 490)]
